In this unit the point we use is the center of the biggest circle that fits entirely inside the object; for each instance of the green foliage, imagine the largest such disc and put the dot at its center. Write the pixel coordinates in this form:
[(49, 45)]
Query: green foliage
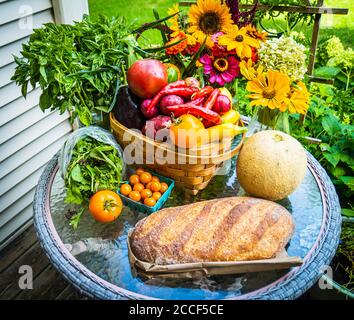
[(328, 119), (94, 166), (77, 67), (345, 254), (336, 62)]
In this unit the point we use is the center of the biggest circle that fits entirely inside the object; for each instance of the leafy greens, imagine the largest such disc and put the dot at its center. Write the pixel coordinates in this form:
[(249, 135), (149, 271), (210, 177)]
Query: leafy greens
[(94, 166)]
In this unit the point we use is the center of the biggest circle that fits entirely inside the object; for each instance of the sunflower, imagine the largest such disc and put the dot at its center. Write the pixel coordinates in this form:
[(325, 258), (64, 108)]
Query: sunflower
[(298, 99), (255, 34), (249, 71), (208, 17), (269, 90), (239, 40)]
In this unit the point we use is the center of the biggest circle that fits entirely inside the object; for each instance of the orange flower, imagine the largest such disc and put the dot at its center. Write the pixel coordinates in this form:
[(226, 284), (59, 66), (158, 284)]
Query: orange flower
[(179, 47), (254, 33)]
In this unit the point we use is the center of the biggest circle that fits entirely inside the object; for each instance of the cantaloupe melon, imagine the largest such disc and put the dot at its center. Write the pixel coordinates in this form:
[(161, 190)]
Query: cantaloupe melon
[(271, 165)]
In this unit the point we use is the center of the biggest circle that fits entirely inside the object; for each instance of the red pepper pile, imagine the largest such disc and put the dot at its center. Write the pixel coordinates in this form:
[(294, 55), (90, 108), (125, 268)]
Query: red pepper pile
[(200, 104)]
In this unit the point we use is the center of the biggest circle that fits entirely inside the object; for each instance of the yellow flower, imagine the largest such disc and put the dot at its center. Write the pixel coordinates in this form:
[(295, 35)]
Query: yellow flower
[(176, 27), (269, 90), (208, 17), (254, 33), (174, 20), (248, 70), (238, 39), (298, 99)]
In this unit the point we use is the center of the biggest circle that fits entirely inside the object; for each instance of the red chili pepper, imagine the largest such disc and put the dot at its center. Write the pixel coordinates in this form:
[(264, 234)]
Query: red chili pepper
[(212, 98), (176, 84), (204, 92), (180, 91), (196, 110)]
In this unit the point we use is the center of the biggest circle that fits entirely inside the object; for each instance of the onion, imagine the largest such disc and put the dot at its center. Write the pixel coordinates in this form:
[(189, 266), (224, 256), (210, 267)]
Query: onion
[(144, 109), (222, 104), (170, 100)]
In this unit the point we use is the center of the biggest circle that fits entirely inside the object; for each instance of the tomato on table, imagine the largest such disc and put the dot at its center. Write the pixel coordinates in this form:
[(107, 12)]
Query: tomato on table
[(145, 177), (138, 187), (134, 179), (125, 189), (105, 206), (150, 202), (135, 195), (164, 187)]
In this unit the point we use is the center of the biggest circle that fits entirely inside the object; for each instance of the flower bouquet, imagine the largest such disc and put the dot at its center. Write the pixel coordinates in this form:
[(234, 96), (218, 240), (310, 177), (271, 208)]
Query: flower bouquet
[(224, 47)]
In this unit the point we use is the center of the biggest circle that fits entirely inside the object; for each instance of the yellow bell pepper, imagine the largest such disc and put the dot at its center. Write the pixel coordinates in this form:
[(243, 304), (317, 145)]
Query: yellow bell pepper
[(231, 116), (221, 132)]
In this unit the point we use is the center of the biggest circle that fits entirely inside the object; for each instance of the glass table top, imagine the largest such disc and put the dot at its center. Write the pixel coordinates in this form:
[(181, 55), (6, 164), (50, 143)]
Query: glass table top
[(102, 248)]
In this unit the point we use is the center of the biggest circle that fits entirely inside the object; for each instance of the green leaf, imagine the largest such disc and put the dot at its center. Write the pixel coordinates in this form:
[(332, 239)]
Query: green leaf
[(75, 219), (76, 174), (45, 100), (327, 72), (347, 212), (348, 181), (85, 116), (331, 125), (332, 158), (163, 36), (338, 172), (43, 73)]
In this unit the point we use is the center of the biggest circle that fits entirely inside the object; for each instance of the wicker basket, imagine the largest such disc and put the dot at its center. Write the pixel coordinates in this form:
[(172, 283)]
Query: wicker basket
[(192, 168)]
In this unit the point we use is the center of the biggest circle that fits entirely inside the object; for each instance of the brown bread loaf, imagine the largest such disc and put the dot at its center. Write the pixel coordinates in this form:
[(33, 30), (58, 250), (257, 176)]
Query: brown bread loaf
[(228, 229)]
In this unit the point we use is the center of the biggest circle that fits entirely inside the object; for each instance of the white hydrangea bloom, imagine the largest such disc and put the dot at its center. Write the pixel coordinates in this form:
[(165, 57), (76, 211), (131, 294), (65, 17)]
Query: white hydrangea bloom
[(284, 54)]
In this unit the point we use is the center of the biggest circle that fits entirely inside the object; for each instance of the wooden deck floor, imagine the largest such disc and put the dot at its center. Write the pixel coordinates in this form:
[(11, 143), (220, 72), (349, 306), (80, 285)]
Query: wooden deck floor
[(47, 282)]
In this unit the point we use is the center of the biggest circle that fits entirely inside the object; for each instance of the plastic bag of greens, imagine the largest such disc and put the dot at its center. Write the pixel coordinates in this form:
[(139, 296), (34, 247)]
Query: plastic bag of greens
[(90, 160)]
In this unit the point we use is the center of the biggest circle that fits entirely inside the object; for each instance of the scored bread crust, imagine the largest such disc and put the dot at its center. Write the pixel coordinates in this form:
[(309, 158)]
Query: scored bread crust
[(228, 229)]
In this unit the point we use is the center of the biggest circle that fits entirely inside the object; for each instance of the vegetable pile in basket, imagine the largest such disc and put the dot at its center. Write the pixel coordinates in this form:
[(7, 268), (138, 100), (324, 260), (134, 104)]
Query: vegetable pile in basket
[(166, 111)]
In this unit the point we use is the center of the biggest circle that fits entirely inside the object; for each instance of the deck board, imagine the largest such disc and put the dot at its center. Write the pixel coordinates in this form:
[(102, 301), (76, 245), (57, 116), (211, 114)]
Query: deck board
[(47, 282)]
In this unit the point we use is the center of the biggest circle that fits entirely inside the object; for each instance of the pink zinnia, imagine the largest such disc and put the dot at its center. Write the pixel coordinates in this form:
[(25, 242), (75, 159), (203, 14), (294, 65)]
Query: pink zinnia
[(220, 69)]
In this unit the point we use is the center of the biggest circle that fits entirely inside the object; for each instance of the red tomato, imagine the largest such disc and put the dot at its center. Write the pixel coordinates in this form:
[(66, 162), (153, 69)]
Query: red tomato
[(105, 206), (146, 77)]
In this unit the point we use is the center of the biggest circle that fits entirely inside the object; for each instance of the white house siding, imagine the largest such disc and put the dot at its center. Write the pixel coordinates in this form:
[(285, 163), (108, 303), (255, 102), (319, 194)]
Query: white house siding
[(28, 137)]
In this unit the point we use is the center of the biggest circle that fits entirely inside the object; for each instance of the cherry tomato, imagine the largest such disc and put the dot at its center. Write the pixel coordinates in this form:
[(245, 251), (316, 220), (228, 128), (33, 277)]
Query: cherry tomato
[(139, 171), (156, 195), (154, 178), (125, 189), (138, 187), (134, 179), (146, 193), (150, 202), (155, 186), (135, 195), (164, 187), (105, 206), (145, 177), (148, 186)]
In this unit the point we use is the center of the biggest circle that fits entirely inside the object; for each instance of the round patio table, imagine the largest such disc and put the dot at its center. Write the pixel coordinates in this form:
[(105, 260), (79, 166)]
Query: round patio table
[(94, 258)]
